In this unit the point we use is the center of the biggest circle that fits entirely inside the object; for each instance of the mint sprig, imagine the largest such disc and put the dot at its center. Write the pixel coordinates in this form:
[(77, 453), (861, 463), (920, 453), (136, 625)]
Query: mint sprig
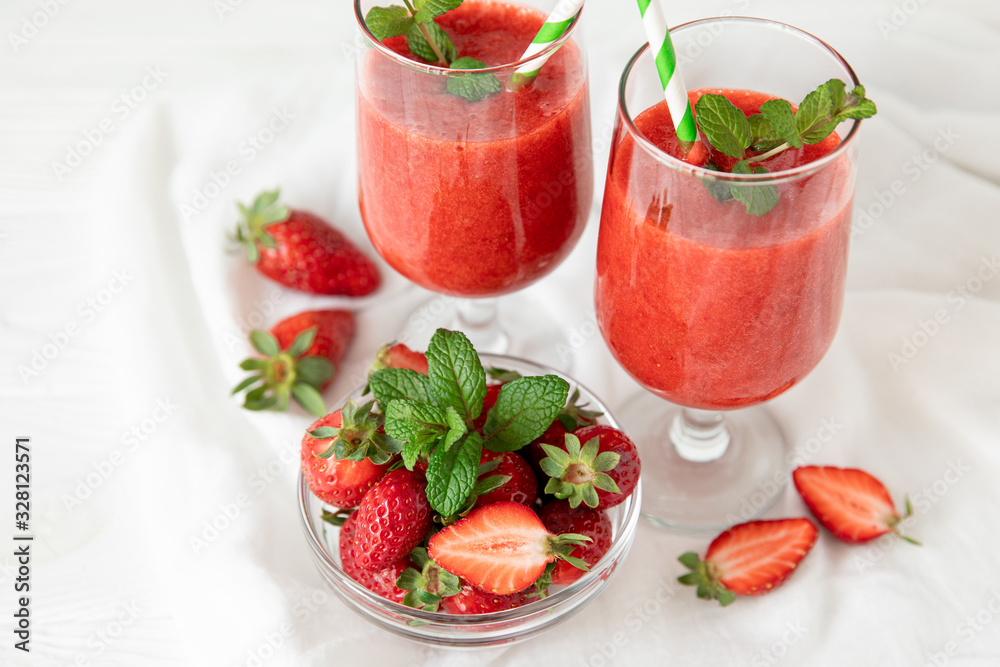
[(774, 130), (431, 418), (427, 40)]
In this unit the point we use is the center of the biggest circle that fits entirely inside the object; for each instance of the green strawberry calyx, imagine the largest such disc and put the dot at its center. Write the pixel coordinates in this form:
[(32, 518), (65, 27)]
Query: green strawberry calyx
[(282, 375), (251, 230), (359, 437), (705, 575), (577, 472), (576, 414), (427, 583)]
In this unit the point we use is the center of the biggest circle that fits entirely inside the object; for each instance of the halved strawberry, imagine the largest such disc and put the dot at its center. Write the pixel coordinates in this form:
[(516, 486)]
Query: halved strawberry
[(850, 503), (471, 600), (342, 482), (501, 548), (300, 357), (559, 517), (601, 473), (382, 582), (399, 356), (392, 519), (749, 559)]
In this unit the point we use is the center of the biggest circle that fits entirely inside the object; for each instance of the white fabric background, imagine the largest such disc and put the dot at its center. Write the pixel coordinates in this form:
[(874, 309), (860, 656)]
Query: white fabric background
[(116, 580)]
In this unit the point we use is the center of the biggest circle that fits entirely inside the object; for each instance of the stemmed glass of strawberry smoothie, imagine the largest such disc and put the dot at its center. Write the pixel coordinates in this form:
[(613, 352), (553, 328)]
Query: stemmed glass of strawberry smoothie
[(707, 297), (468, 187)]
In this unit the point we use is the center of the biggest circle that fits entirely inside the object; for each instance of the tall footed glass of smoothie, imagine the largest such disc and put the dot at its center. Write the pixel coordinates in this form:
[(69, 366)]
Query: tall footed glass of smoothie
[(715, 290), (475, 181)]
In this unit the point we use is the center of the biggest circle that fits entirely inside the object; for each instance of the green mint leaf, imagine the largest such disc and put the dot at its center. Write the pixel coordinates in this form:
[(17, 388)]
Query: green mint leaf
[(863, 109), (758, 198), (415, 423), (855, 105), (524, 409), (779, 113), (422, 49), (764, 136), (723, 124), (718, 189), (814, 119), (470, 85), (457, 378), (503, 374), (428, 10), (413, 451), (456, 427), (837, 90), (389, 384), (386, 22), (451, 474)]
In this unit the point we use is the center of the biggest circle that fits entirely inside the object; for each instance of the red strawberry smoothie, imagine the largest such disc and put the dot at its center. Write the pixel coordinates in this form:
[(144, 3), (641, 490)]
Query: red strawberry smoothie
[(475, 198), (703, 304)]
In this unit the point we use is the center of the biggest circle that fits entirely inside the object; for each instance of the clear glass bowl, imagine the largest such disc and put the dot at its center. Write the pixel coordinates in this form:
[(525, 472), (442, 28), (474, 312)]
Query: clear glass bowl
[(472, 630)]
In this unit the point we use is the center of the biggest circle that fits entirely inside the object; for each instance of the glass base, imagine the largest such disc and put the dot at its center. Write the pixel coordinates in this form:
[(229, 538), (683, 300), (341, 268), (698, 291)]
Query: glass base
[(496, 326), (707, 496)]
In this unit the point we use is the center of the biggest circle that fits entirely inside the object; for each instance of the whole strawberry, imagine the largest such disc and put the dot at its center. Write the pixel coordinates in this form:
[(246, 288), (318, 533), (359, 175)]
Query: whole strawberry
[(850, 503), (575, 415), (521, 487), (344, 481), (749, 559), (471, 600), (399, 355), (382, 582), (302, 251), (559, 517), (596, 465), (300, 357), (392, 519)]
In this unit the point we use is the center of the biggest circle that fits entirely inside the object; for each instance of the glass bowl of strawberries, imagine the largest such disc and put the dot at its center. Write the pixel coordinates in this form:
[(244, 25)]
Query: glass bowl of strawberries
[(467, 500)]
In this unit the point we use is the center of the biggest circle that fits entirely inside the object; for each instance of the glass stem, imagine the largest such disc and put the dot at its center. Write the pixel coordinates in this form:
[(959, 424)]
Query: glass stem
[(699, 435), (478, 319)]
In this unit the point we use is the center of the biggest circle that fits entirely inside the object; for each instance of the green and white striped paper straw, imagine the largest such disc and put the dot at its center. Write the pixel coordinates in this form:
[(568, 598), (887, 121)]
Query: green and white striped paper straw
[(666, 66), (555, 26)]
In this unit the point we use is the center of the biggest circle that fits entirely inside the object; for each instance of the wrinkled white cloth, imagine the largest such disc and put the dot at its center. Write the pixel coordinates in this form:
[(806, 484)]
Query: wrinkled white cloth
[(165, 516)]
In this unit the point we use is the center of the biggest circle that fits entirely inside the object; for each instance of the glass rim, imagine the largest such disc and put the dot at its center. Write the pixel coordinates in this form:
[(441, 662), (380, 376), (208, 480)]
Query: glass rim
[(702, 173), (443, 71), (630, 506)]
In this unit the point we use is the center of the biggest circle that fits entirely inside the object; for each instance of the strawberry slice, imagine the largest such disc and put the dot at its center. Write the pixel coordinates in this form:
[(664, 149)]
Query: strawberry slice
[(749, 559), (501, 548), (850, 503)]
